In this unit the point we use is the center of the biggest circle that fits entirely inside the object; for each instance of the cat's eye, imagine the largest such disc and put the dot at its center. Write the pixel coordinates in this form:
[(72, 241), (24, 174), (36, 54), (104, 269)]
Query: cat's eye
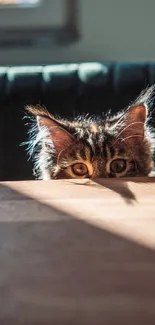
[(118, 166), (79, 169)]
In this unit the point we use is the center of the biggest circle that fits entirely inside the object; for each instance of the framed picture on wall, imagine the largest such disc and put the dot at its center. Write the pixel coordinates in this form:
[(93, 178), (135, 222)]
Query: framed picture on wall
[(38, 23)]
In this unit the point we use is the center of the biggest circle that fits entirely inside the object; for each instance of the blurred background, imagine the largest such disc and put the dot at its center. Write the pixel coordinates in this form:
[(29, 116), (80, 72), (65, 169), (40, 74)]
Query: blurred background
[(56, 31)]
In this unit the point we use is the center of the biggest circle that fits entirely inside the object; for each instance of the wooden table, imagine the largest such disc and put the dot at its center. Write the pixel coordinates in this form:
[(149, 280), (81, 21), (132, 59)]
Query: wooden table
[(77, 252)]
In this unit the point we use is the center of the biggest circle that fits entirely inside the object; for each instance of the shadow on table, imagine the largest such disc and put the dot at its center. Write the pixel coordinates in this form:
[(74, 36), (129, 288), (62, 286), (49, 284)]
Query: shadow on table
[(55, 269), (119, 186)]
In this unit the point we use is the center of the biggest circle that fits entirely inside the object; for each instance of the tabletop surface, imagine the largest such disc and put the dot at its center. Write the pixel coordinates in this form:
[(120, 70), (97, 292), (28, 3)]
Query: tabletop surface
[(77, 252)]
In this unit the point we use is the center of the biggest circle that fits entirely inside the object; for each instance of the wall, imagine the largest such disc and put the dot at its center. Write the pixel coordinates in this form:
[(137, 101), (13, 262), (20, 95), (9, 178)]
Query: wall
[(110, 30)]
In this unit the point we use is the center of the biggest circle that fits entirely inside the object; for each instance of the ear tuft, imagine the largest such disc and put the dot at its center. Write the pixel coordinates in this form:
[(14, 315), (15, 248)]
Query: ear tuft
[(146, 97), (38, 111)]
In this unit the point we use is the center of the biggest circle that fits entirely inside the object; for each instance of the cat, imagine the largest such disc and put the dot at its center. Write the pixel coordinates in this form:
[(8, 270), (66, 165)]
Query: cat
[(93, 147)]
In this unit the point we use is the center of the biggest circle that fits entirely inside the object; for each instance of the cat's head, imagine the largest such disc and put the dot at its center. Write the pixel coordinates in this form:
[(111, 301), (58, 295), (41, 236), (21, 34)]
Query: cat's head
[(117, 146)]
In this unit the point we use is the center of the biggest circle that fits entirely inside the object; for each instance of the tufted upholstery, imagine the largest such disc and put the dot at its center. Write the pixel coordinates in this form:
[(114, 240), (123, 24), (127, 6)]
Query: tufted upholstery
[(64, 89)]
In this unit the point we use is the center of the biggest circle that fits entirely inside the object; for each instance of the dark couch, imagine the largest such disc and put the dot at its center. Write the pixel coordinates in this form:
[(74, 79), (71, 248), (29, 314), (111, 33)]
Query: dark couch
[(64, 89)]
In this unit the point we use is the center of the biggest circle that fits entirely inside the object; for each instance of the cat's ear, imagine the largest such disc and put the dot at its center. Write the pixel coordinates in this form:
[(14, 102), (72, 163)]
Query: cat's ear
[(134, 123), (135, 118), (61, 138)]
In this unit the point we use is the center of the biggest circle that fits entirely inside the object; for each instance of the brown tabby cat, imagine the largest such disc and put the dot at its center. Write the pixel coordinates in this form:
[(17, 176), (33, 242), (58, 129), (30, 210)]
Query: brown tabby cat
[(117, 146)]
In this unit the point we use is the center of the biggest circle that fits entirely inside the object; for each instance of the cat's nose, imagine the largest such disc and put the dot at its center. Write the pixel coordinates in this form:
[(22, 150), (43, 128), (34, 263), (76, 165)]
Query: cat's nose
[(103, 174)]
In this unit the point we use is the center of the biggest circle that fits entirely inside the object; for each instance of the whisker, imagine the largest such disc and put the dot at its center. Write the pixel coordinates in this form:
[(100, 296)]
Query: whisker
[(132, 136), (58, 157), (122, 139), (129, 149), (120, 119), (129, 126)]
